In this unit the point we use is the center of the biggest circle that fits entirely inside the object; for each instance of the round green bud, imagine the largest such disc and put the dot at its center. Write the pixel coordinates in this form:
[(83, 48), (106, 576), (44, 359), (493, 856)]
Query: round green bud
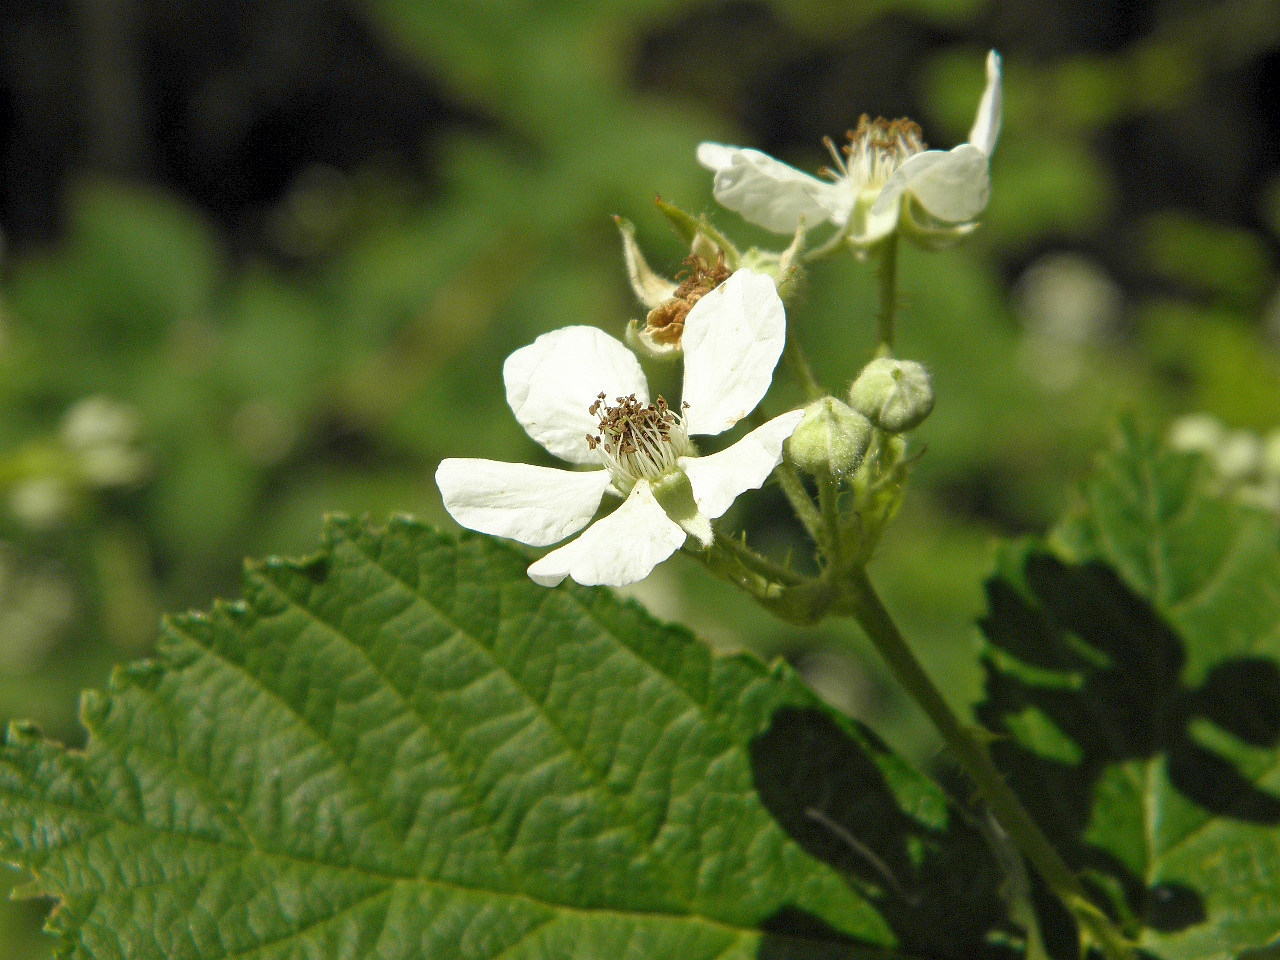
[(895, 395), (831, 439)]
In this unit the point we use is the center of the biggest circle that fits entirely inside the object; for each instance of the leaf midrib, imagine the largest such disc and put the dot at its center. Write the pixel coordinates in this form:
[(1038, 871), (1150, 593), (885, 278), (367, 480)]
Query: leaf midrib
[(616, 801), (621, 820)]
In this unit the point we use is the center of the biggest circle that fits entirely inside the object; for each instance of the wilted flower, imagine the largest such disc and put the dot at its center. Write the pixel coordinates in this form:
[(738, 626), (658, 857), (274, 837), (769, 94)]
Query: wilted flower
[(669, 301)]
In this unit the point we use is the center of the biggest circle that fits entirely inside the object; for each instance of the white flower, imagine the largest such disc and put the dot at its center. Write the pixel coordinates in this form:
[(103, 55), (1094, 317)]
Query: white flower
[(582, 395), (884, 172)]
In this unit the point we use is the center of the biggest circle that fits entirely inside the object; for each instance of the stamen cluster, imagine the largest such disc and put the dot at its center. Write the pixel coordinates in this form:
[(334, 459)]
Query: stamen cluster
[(875, 150), (638, 440)]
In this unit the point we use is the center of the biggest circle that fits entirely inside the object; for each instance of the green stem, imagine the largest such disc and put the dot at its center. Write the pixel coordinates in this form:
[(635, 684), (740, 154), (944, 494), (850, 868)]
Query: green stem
[(887, 277), (801, 502), (773, 572), (973, 756), (799, 366), (828, 502)]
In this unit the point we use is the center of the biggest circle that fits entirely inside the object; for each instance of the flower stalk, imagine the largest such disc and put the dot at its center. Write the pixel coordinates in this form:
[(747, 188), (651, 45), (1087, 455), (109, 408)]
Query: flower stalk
[(974, 758), (801, 503), (887, 285), (845, 538)]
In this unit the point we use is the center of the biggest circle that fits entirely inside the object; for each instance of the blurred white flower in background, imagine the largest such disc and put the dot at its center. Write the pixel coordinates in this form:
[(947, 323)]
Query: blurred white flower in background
[(1067, 304), (96, 448), (102, 434), (1246, 464)]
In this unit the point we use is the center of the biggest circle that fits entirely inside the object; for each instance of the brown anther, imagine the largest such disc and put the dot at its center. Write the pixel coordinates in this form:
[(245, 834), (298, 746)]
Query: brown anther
[(882, 134), (665, 322)]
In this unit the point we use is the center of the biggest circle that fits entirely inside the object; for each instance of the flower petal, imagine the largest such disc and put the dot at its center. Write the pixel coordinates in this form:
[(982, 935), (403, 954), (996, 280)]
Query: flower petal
[(986, 126), (535, 505), (552, 382), (732, 340), (615, 550), (715, 156), (770, 193), (952, 185), (719, 478)]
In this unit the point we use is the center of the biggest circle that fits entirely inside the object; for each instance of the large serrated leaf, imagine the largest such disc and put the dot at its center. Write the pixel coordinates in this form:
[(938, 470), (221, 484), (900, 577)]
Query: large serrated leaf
[(1134, 671), (402, 748)]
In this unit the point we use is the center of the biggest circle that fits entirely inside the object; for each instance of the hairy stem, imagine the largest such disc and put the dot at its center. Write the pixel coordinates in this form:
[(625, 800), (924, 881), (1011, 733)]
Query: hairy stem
[(829, 503), (802, 503), (732, 549)]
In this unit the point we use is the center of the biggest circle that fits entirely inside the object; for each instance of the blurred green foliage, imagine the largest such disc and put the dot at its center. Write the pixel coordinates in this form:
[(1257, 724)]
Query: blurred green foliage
[(326, 355)]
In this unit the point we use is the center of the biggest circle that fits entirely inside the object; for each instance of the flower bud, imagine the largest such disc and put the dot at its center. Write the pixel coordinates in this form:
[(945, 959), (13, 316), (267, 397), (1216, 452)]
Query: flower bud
[(895, 395), (831, 439)]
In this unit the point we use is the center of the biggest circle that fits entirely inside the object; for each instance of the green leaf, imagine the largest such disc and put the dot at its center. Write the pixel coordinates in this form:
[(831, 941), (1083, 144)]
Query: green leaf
[(1133, 675), (404, 748)]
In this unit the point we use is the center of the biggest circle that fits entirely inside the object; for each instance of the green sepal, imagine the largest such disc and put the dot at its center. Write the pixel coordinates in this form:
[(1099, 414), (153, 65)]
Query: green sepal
[(688, 228), (674, 494)]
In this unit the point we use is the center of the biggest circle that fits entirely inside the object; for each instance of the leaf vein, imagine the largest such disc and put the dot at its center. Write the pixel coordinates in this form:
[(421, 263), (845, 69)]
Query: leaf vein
[(463, 778)]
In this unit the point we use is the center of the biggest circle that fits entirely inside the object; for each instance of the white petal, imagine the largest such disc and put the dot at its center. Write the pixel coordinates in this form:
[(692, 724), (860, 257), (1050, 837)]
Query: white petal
[(732, 340), (715, 156), (769, 193), (953, 186), (535, 505), (552, 382), (718, 479), (616, 550), (986, 127)]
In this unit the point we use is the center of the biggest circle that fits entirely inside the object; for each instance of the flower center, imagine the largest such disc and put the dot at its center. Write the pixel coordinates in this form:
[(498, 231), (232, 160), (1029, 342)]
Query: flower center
[(874, 151), (638, 440)]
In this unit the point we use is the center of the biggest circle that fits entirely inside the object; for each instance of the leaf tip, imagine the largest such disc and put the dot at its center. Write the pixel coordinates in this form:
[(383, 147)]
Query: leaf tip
[(406, 521), (94, 705), (22, 733), (144, 674)]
